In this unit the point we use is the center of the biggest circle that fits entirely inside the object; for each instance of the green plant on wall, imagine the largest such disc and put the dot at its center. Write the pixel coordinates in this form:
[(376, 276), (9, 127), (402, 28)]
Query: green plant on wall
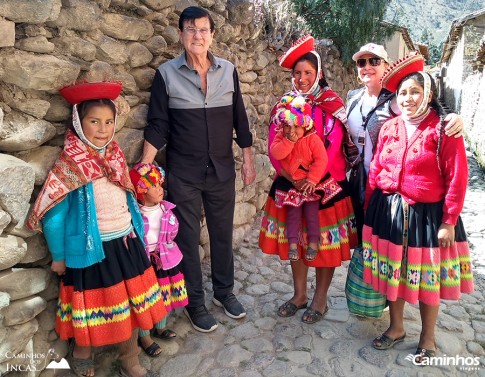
[(349, 23)]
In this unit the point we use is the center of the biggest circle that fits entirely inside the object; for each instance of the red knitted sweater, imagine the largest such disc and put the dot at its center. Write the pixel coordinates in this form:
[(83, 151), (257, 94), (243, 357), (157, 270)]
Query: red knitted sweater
[(410, 167), (306, 158)]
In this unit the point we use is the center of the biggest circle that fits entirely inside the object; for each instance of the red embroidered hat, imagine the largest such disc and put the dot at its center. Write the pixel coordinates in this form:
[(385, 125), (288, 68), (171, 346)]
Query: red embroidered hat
[(84, 91), (411, 63), (296, 51)]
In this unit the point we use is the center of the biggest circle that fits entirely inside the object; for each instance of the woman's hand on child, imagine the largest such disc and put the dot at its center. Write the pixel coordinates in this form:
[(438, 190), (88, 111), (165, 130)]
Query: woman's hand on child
[(446, 235), (59, 267), (308, 187)]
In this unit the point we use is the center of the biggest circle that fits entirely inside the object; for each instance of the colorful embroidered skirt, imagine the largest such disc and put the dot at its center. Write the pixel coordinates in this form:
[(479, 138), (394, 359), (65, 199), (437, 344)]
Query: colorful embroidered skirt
[(402, 257), (172, 287), (103, 303), (338, 233), (286, 194)]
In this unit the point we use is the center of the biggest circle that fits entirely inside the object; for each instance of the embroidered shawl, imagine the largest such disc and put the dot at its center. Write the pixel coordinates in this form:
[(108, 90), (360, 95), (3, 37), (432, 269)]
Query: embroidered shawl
[(77, 165), (329, 102)]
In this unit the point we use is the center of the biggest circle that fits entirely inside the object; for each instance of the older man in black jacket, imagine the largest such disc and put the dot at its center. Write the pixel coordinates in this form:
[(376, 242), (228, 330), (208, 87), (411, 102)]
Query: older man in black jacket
[(195, 107)]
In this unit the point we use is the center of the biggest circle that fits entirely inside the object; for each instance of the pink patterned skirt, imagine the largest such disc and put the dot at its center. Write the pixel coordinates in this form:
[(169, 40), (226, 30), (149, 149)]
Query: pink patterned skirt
[(402, 257), (172, 286)]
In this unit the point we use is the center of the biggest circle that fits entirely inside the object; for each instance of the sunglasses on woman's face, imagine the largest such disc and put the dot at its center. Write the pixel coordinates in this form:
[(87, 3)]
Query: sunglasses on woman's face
[(374, 62)]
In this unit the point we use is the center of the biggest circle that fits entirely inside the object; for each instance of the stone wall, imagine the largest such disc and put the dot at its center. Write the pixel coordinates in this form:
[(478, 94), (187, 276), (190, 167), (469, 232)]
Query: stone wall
[(472, 105), (462, 82), (45, 44), (472, 95)]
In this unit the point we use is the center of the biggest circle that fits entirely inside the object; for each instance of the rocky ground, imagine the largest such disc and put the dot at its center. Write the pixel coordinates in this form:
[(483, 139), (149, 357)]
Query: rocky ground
[(263, 344)]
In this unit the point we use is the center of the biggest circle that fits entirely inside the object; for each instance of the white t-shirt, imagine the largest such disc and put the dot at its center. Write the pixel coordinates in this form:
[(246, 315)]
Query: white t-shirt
[(154, 216), (355, 121)]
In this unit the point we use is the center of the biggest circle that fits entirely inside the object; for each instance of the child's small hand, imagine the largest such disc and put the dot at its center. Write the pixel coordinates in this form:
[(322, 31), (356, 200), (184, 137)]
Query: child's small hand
[(308, 187), (292, 136), (59, 267), (298, 184)]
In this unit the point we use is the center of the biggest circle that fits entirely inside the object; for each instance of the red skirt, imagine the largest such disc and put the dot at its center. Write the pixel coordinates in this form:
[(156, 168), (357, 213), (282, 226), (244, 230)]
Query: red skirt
[(338, 232), (103, 303)]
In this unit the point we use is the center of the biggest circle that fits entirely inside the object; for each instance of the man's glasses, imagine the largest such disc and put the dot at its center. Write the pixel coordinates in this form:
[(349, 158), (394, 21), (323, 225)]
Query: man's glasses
[(193, 30), (374, 62)]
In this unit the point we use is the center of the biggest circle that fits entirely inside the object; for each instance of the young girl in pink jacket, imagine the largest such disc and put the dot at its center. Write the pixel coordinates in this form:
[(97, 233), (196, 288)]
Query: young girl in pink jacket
[(161, 227)]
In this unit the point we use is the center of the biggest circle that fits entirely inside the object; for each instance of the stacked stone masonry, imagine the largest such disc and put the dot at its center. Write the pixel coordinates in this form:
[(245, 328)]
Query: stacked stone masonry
[(49, 43)]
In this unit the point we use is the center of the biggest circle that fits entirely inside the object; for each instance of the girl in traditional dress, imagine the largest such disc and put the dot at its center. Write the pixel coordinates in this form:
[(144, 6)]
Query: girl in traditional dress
[(161, 227), (415, 247), (94, 230), (369, 107)]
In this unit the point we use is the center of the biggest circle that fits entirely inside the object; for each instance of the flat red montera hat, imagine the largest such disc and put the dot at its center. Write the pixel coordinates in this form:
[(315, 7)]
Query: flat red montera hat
[(84, 91), (411, 63), (296, 51)]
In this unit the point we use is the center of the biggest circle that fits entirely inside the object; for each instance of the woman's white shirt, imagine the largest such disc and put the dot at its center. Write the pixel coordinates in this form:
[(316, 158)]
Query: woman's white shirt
[(355, 120)]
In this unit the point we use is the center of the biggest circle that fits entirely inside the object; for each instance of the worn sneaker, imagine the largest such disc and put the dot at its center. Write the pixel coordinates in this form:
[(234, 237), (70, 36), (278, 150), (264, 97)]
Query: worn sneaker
[(201, 319), (232, 307)]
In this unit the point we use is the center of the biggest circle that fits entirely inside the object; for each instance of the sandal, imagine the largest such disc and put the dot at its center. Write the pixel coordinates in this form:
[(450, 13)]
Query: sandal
[(311, 254), (80, 367), (153, 350), (386, 342), (166, 334), (293, 255), (122, 372), (288, 309), (423, 354), (312, 315)]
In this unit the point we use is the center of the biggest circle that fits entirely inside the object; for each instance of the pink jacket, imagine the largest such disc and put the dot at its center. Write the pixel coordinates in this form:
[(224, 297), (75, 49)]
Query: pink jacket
[(167, 254)]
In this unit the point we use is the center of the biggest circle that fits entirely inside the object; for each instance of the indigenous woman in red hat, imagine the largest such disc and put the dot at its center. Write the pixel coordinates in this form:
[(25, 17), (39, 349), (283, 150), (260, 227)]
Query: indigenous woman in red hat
[(337, 234), (368, 108), (94, 230), (415, 247)]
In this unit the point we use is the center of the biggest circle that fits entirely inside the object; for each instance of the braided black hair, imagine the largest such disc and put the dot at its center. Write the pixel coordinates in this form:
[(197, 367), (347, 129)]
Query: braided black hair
[(434, 104)]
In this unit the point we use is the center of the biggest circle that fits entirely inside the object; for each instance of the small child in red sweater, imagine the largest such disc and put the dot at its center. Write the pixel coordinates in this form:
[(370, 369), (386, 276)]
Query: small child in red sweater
[(304, 160)]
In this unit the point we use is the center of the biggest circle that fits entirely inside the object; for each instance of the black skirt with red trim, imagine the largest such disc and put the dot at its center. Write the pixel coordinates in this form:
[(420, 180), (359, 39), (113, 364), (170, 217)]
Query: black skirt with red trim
[(103, 303)]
